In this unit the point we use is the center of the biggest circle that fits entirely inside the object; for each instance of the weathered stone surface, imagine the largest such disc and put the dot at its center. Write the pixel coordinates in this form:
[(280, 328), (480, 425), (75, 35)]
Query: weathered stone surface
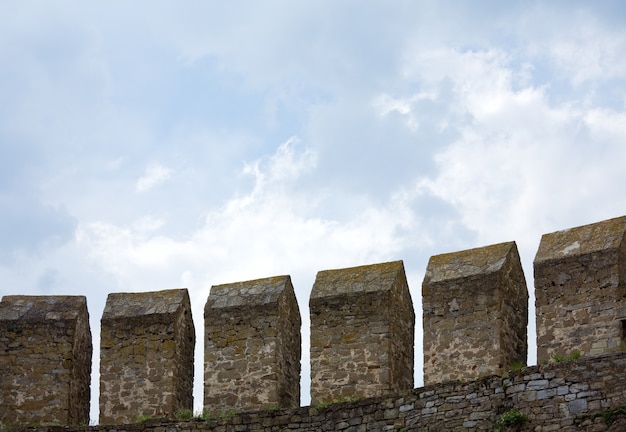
[(146, 358), (450, 406), (475, 313), (45, 360), (580, 288), (362, 332), (252, 346)]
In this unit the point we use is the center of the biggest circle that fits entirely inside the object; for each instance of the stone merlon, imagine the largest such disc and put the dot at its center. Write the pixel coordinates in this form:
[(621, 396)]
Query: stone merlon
[(475, 313), (252, 346), (362, 332)]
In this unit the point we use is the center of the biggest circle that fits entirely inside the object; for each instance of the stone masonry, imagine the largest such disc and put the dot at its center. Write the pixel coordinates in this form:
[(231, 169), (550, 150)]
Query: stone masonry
[(252, 346), (584, 395), (580, 288), (362, 332), (362, 324), (146, 355), (45, 360), (475, 313)]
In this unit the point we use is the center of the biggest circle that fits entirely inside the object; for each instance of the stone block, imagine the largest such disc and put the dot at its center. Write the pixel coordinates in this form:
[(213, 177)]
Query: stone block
[(45, 361), (146, 355), (362, 332), (580, 289), (475, 313), (252, 346)]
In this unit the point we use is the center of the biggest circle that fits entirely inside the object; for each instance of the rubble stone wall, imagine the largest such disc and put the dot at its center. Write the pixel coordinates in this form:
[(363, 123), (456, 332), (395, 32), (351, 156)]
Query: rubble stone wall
[(252, 346), (588, 394), (45, 360), (580, 289), (475, 313), (362, 332), (362, 338), (146, 355)]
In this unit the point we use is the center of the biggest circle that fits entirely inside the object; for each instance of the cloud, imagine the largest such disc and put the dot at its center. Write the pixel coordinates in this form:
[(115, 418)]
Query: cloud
[(154, 175), (257, 229), (581, 44), (519, 158)]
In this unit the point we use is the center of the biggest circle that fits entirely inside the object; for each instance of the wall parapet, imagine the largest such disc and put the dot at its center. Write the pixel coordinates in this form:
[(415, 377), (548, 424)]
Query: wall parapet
[(362, 333), (576, 395)]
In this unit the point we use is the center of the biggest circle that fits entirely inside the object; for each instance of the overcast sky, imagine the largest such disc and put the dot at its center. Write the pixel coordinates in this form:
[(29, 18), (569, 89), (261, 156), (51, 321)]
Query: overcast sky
[(151, 145)]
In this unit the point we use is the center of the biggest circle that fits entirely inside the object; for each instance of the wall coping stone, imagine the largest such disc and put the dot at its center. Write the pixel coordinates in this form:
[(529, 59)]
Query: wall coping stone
[(138, 304), (362, 279), (38, 309), (256, 292), (470, 262), (596, 237)]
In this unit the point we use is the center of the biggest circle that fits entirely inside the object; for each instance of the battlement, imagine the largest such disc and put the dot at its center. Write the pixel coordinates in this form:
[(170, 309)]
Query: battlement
[(475, 307)]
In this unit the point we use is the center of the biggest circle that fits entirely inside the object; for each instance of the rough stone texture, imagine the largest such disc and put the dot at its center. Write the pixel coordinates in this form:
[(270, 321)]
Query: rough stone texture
[(581, 395), (362, 332), (580, 289), (252, 346), (45, 360), (146, 358), (475, 313)]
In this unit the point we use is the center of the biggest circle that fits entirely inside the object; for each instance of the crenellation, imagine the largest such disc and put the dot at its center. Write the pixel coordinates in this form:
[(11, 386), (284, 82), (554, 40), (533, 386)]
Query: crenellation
[(362, 333)]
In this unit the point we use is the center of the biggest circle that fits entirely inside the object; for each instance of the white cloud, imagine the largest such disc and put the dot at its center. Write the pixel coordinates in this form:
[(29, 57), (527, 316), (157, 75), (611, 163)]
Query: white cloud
[(257, 229), (386, 104), (585, 49), (519, 159), (154, 175)]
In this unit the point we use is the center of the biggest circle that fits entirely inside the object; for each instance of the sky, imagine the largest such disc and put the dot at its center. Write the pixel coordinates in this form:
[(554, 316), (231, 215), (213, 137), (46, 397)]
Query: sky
[(151, 145)]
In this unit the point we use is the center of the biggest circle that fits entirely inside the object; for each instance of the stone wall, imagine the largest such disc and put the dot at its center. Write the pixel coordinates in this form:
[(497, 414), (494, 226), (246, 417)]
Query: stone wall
[(362, 324), (45, 360), (146, 355), (580, 288), (475, 313), (252, 346), (588, 394)]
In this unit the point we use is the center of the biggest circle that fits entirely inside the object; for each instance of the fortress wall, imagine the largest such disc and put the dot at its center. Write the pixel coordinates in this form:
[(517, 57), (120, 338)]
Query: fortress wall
[(45, 360), (146, 355), (587, 395), (580, 289), (252, 346), (362, 332), (475, 313)]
